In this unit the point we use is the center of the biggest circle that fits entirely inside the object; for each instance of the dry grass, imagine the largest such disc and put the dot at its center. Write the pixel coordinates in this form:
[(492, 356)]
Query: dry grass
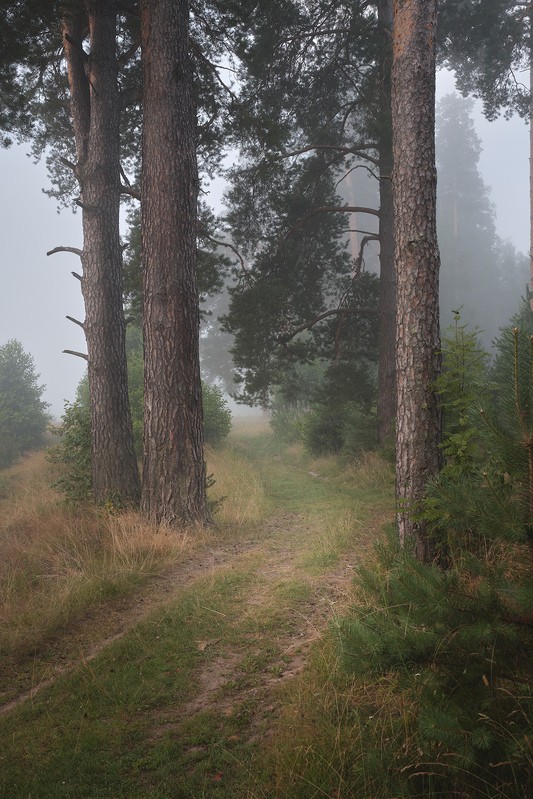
[(56, 562), (238, 488), (371, 471), (327, 756)]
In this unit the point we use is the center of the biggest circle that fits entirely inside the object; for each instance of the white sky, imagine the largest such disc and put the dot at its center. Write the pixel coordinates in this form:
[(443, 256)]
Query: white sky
[(37, 291)]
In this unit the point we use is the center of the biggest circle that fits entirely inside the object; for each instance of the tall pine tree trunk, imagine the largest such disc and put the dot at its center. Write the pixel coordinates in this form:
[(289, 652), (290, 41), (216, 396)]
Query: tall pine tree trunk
[(95, 108), (173, 465), (386, 402), (417, 263)]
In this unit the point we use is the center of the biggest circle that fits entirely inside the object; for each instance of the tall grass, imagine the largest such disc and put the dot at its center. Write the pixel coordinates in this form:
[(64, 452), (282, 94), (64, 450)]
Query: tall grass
[(238, 489), (56, 562)]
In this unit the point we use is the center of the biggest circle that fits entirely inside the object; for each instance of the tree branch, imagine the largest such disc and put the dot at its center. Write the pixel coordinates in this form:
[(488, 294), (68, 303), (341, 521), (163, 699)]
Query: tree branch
[(332, 209), (356, 150), (131, 191), (78, 277), (359, 259), (219, 243), (74, 250), (68, 163), (286, 337), (76, 322), (77, 354), (123, 59)]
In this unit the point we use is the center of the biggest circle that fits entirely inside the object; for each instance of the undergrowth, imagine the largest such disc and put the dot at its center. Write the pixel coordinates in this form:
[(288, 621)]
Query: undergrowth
[(136, 719)]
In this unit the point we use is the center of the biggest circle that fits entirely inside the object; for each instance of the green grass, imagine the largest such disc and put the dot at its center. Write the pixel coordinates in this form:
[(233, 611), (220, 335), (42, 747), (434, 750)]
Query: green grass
[(185, 705), (92, 733)]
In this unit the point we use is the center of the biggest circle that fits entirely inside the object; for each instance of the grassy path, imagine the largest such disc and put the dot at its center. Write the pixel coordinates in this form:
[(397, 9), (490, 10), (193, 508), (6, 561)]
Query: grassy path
[(181, 693)]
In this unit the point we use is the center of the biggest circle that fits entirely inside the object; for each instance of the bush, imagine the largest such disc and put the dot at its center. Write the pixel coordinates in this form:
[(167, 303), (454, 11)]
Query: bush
[(73, 454), (217, 415), (457, 641), (346, 429), (74, 451), (287, 423)]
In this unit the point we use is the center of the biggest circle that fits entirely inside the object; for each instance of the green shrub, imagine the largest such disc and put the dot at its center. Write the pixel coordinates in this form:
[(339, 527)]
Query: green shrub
[(323, 431), (73, 453), (287, 423), (346, 429), (457, 642), (217, 415)]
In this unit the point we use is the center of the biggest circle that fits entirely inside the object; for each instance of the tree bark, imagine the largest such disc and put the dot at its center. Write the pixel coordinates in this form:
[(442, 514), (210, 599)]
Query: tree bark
[(95, 109), (417, 264), (386, 399), (174, 475)]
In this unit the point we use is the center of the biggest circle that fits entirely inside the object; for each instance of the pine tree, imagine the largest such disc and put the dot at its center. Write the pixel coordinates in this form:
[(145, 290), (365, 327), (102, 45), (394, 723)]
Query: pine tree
[(457, 642), (480, 275), (418, 423), (23, 417)]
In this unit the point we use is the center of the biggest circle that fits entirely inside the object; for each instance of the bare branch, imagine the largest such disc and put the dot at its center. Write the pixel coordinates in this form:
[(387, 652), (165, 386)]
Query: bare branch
[(220, 243), (77, 45), (76, 322), (77, 354), (286, 337), (68, 163), (363, 232), (357, 166), (131, 192), (78, 277), (74, 250), (358, 150), (332, 209), (359, 259), (129, 53)]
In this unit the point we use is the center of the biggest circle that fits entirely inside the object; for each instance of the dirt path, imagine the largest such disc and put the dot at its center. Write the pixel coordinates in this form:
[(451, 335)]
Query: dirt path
[(275, 545)]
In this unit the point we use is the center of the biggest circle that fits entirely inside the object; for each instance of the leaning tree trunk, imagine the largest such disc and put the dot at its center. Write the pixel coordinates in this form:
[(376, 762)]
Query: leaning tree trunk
[(95, 109), (173, 465), (417, 264), (386, 400)]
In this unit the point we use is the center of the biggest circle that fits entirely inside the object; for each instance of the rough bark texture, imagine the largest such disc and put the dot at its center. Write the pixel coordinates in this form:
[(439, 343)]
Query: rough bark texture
[(173, 465), (417, 263), (95, 111), (386, 402)]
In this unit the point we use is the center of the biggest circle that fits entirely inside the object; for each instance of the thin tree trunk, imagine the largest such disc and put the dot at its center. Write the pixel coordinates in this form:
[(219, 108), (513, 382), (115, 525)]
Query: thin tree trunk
[(173, 466), (95, 108), (417, 264), (386, 402)]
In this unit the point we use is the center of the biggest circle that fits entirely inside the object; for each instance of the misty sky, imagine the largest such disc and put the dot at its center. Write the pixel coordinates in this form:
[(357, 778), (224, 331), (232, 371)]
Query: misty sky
[(39, 291)]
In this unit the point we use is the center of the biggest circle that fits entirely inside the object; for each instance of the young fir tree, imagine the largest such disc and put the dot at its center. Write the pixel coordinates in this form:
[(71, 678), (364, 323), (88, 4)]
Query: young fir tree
[(458, 642)]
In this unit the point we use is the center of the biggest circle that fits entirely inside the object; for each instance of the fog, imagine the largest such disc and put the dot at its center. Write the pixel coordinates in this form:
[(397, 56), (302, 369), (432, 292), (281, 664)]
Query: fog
[(39, 291)]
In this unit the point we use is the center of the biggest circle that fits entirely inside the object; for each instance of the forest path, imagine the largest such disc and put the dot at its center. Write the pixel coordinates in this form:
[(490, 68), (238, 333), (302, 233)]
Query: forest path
[(242, 610), (275, 544)]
